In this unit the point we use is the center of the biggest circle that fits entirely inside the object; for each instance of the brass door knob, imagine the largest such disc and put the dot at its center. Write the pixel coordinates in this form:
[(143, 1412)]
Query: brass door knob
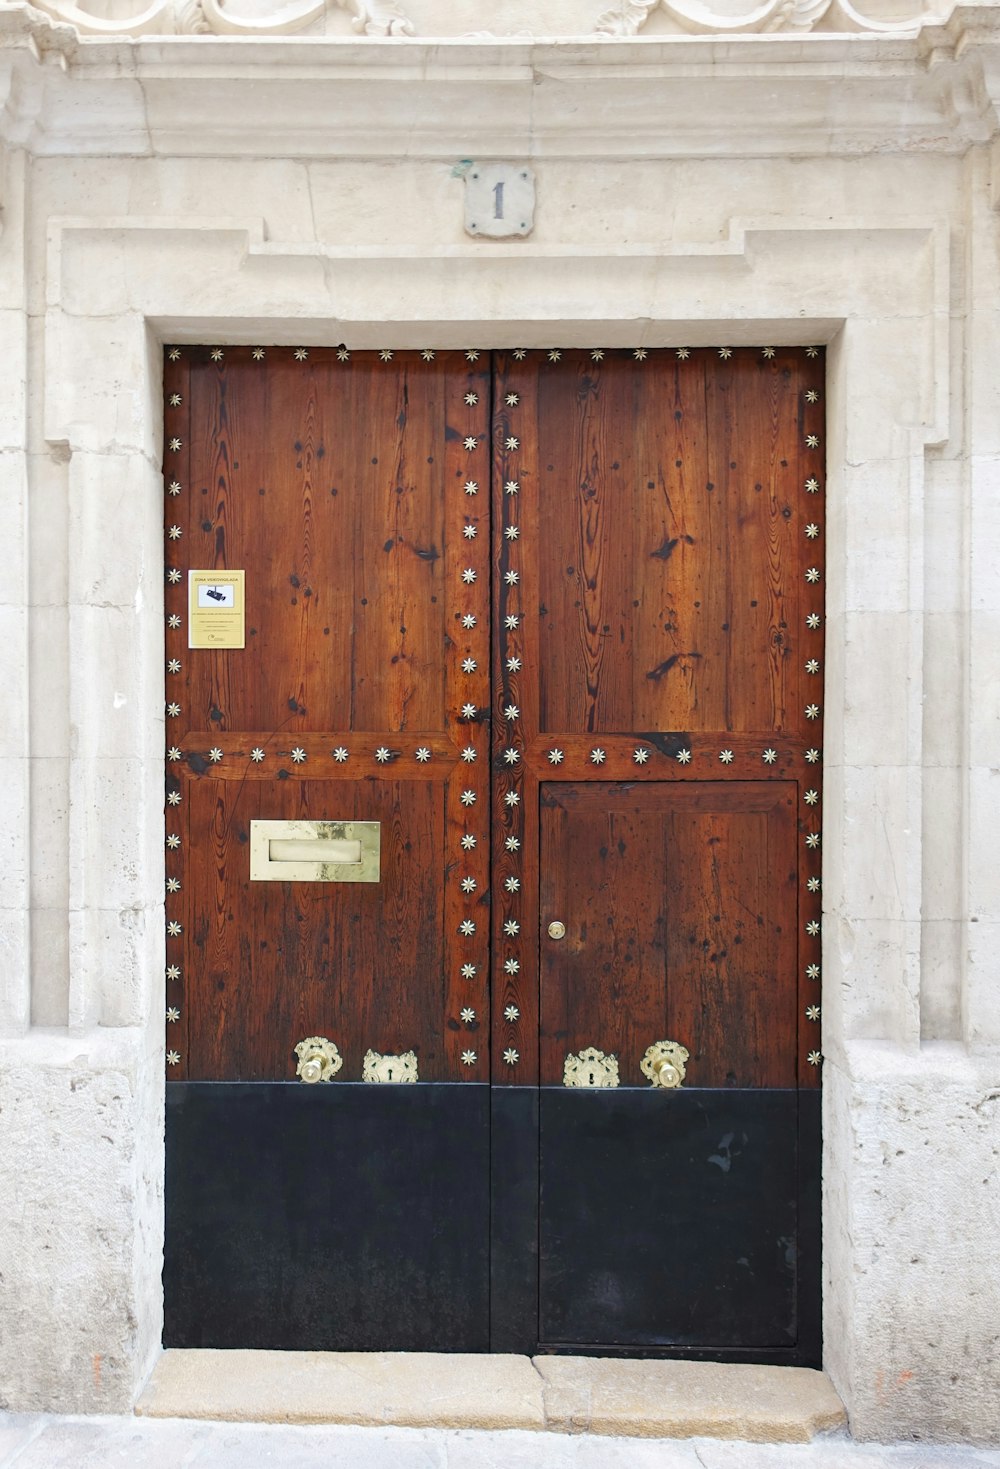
[(557, 930), (664, 1063), (319, 1059), (666, 1073), (312, 1068)]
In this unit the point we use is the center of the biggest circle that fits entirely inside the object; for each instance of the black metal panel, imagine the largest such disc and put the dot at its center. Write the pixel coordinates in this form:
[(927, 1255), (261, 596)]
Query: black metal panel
[(333, 1217), (514, 1273), (672, 1220)]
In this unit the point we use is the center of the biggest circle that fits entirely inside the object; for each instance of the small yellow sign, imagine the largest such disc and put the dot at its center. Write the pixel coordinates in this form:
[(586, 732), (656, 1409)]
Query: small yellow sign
[(216, 617)]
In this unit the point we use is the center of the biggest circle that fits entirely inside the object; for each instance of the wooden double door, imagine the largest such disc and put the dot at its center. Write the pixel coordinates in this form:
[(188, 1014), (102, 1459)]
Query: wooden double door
[(493, 849)]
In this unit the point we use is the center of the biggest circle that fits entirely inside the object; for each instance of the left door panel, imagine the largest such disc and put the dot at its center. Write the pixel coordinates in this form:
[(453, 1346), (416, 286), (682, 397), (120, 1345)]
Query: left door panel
[(352, 491)]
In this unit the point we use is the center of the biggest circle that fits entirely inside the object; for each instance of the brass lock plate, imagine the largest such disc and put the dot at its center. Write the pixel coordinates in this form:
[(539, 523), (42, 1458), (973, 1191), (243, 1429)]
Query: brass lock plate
[(315, 851)]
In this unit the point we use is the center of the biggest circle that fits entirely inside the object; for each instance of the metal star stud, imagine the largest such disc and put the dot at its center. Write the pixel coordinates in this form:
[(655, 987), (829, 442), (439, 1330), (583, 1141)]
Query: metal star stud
[(511, 1056), (467, 928), (173, 710), (174, 929), (512, 577), (812, 971), (812, 928), (427, 354), (815, 1058), (472, 355), (511, 927), (512, 400), (174, 354), (767, 352), (769, 757), (684, 757), (468, 884), (511, 621), (173, 576), (174, 798), (511, 443), (513, 844), (216, 354), (725, 353), (174, 665), (812, 396), (468, 971), (512, 966), (555, 355), (469, 575), (175, 533), (512, 884), (340, 754), (471, 442), (467, 1015), (469, 532), (511, 756), (423, 755), (173, 885), (471, 487), (258, 354), (512, 1013), (512, 532), (468, 842), (812, 711), (812, 665), (173, 1058), (472, 399), (683, 353), (382, 755), (812, 530), (812, 573), (812, 1012), (173, 841), (512, 799), (343, 355), (386, 354), (256, 755), (468, 1058), (814, 620), (301, 354), (511, 711), (640, 354), (812, 441), (813, 885), (597, 355), (469, 620), (469, 711), (812, 351), (811, 798), (468, 798), (726, 756), (469, 665), (298, 755), (173, 971), (812, 840), (514, 665), (511, 487), (175, 400), (812, 486), (519, 354), (469, 754), (173, 753), (175, 444), (640, 756), (173, 1014), (174, 620), (215, 754), (597, 756), (812, 756), (174, 487)]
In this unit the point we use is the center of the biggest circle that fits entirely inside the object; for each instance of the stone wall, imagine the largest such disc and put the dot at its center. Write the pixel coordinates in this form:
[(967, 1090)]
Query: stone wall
[(835, 189)]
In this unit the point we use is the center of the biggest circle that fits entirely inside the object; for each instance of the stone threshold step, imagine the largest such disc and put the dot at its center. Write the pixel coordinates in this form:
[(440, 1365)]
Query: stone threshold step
[(625, 1397)]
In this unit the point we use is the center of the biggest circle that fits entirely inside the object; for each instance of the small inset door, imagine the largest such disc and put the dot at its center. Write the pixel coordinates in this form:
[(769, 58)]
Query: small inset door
[(493, 850)]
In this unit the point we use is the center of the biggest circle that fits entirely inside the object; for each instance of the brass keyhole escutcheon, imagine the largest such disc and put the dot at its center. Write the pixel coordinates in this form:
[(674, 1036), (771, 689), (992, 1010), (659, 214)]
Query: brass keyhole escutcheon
[(557, 930)]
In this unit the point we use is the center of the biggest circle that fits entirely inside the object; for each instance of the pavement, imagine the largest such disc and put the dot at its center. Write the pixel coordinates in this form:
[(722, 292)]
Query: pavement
[(43, 1441)]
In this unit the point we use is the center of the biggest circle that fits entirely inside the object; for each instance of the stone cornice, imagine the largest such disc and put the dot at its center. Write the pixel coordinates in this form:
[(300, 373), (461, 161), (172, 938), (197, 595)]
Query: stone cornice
[(934, 90)]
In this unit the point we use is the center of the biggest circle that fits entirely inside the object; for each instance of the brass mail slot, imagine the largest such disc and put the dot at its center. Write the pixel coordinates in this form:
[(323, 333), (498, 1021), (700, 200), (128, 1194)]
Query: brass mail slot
[(315, 851)]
